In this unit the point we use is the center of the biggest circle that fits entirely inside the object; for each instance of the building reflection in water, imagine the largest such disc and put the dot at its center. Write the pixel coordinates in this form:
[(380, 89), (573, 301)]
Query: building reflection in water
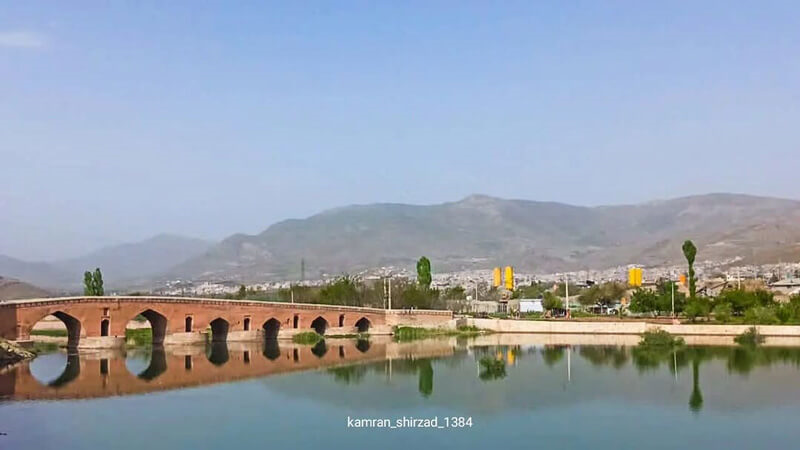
[(101, 374)]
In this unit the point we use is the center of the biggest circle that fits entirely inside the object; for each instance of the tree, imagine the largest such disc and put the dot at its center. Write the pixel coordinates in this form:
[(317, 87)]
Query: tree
[(93, 283), (343, 291), (98, 282), (242, 294), (690, 252), (455, 293), (644, 300), (604, 294), (88, 283), (551, 301), (424, 277)]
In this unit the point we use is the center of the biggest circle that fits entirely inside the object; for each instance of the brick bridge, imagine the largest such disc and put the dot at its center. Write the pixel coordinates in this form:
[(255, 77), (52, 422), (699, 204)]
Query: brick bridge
[(100, 322)]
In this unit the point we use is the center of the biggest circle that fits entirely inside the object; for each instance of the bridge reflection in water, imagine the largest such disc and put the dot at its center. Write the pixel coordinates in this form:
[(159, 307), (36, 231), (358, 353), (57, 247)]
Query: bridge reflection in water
[(119, 372)]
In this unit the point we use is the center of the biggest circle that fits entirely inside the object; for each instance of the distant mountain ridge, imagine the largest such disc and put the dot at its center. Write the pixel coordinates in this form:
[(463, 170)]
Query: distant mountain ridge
[(122, 265), (477, 232), (481, 232)]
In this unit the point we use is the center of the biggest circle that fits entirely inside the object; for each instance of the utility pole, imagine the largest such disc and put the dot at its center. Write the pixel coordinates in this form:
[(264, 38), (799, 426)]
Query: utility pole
[(738, 279), (390, 293), (291, 291), (566, 291)]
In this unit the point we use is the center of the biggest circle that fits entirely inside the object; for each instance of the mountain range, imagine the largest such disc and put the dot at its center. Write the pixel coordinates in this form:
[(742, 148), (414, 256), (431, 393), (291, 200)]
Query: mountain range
[(122, 265), (477, 232)]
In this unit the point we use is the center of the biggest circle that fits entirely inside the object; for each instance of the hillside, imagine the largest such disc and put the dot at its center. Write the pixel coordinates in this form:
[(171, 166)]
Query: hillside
[(122, 265), (11, 289), (481, 232)]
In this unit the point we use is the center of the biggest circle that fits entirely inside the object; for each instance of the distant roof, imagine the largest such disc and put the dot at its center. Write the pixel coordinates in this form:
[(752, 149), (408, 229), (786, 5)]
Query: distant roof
[(787, 282)]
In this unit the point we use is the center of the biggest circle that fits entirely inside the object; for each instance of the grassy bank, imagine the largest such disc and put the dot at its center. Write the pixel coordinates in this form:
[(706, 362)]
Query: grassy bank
[(50, 333), (139, 337), (405, 334)]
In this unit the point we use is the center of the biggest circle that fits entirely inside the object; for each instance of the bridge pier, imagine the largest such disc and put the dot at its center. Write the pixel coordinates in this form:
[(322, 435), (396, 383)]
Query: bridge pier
[(186, 338), (245, 336), (101, 342)]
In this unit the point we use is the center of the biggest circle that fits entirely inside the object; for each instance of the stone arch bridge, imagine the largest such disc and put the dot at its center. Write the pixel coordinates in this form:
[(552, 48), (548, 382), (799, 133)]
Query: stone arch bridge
[(100, 322)]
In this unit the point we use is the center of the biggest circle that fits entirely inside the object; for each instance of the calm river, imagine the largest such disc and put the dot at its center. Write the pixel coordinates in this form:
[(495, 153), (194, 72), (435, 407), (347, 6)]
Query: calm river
[(490, 392)]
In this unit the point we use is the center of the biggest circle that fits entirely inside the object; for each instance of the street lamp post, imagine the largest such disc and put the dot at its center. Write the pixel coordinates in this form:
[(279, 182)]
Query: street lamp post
[(673, 298)]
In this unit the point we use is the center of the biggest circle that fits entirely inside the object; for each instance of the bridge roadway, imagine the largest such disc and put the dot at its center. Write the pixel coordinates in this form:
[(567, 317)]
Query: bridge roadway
[(100, 322)]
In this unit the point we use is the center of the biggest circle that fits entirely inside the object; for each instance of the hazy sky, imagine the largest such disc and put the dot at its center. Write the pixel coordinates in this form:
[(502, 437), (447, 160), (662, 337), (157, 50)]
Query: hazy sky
[(120, 122)]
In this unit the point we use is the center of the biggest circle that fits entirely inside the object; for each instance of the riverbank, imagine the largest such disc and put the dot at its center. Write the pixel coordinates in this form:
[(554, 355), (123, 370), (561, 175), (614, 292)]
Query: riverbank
[(12, 354), (622, 327)]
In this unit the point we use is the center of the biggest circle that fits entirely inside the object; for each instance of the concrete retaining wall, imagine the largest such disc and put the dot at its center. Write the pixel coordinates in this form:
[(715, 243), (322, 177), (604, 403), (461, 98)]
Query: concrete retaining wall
[(575, 327)]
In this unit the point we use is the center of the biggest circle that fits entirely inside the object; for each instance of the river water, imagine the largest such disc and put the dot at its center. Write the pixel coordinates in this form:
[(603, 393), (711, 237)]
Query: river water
[(496, 391)]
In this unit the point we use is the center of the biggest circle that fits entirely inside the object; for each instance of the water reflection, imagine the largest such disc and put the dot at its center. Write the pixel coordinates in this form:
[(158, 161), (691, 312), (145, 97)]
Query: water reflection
[(416, 365)]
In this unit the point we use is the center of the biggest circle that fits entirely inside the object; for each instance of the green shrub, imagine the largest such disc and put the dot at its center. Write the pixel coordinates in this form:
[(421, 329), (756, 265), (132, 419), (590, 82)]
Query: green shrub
[(751, 337), (660, 339), (307, 338), (722, 312), (784, 313), (697, 307), (760, 315)]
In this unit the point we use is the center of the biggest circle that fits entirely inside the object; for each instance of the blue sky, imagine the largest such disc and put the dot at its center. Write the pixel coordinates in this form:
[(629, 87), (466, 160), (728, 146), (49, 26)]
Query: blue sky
[(122, 121)]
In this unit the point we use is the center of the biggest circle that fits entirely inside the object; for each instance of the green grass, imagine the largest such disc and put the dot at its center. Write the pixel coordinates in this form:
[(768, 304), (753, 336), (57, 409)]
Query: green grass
[(307, 338), (51, 333), (348, 336), (139, 337), (41, 348), (405, 334)]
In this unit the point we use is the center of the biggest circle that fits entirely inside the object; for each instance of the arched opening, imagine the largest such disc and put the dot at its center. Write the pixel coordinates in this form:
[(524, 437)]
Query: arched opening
[(104, 325), (187, 362), (148, 327), (363, 325), (271, 329), (57, 326), (104, 366), (188, 324), (247, 356), (296, 321), (219, 330), (295, 355), (319, 325), (320, 349), (341, 351), (246, 324), (341, 320)]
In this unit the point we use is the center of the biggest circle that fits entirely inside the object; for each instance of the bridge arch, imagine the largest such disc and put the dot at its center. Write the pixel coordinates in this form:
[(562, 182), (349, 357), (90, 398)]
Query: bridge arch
[(363, 324), (158, 324), (271, 328), (219, 330), (71, 323), (319, 325)]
